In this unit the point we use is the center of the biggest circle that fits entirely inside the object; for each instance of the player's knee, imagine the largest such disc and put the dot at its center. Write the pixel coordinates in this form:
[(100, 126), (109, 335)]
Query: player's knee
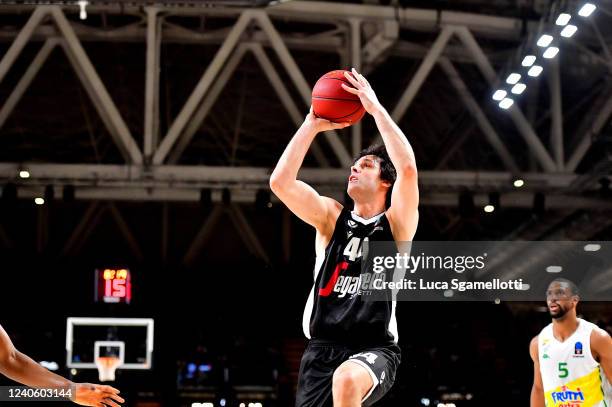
[(346, 381)]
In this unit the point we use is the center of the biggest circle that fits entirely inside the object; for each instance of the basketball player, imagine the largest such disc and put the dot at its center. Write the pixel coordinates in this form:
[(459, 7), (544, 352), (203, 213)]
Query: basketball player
[(352, 355), (572, 358), (20, 368)]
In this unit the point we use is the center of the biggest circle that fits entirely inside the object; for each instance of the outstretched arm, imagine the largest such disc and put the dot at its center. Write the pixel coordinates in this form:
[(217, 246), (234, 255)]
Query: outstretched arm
[(537, 390), (300, 197), (403, 212), (20, 368)]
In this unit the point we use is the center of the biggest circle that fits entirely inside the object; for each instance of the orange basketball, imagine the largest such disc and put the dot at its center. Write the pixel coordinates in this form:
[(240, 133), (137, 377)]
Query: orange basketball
[(331, 102)]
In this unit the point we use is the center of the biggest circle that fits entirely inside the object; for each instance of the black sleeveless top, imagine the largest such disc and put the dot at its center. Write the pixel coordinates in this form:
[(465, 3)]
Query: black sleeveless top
[(336, 309)]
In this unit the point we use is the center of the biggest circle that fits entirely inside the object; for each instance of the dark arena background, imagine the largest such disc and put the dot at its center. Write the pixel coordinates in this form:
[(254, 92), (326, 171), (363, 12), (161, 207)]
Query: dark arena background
[(137, 139)]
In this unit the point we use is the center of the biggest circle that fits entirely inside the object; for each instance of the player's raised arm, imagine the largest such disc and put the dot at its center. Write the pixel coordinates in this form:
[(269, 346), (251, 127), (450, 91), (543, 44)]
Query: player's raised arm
[(601, 347), (22, 369), (300, 197), (537, 390), (403, 211)]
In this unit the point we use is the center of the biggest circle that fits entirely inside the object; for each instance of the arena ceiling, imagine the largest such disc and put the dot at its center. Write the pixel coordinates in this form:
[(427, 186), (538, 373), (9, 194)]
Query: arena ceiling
[(158, 101)]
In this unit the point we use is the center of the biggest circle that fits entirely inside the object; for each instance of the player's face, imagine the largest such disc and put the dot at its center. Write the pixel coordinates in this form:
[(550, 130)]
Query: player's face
[(365, 177), (560, 299)]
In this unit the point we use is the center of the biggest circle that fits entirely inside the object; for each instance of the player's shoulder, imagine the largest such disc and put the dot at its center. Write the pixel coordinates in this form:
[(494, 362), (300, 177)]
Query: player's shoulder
[(600, 336), (403, 225), (333, 209)]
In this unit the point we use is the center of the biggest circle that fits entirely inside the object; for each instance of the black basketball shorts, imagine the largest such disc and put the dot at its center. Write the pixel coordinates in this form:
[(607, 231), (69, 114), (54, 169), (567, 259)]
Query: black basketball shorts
[(322, 358)]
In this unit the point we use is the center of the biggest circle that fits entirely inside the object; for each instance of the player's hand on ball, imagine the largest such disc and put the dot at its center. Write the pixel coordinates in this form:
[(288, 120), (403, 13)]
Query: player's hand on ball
[(361, 87), (97, 395), (322, 124)]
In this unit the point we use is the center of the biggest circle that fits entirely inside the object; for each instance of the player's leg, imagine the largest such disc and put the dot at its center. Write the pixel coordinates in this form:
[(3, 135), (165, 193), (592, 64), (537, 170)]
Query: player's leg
[(351, 383), (315, 378), (365, 377)]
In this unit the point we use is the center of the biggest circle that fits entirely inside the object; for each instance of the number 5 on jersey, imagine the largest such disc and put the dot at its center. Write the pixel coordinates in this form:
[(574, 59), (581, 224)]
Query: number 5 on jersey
[(563, 371)]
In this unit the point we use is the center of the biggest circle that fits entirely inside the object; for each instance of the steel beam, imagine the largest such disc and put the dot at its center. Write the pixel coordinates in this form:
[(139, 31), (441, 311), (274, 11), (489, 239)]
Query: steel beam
[(151, 113), (295, 73), (96, 89), (21, 40), (195, 177), (173, 34), (428, 20), (125, 230), (246, 233), (209, 100), (421, 74), (81, 232), (203, 235), (516, 115), (593, 128), (26, 79), (521, 199), (285, 97), (556, 131), (203, 85), (475, 110)]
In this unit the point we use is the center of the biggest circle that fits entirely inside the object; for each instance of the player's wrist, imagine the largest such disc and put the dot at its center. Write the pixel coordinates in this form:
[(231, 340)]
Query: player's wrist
[(311, 127)]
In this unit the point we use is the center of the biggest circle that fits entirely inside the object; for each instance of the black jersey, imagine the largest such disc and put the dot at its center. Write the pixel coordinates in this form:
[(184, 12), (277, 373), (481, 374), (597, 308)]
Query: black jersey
[(335, 310)]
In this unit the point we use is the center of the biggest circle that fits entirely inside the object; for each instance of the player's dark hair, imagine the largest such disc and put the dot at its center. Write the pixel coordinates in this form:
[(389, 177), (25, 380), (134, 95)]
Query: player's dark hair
[(572, 286), (387, 170)]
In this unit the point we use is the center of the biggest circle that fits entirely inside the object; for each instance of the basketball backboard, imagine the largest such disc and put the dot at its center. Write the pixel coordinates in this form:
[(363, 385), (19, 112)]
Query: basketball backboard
[(129, 339)]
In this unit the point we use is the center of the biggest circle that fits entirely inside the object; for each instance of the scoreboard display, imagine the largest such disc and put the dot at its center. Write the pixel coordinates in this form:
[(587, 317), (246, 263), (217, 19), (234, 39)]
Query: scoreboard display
[(113, 286)]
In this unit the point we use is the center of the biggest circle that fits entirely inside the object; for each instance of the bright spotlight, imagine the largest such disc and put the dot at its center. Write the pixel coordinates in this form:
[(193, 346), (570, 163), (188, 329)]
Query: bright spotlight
[(568, 31), (545, 40), (489, 208), (24, 174), (563, 19), (513, 78), (587, 10), (518, 183), (518, 88), (535, 71), (554, 269), (506, 103), (499, 94), (550, 52), (82, 9), (592, 247), (528, 60), (39, 201)]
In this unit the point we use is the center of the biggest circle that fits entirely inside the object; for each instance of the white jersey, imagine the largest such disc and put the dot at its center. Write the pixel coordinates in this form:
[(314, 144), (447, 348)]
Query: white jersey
[(570, 375)]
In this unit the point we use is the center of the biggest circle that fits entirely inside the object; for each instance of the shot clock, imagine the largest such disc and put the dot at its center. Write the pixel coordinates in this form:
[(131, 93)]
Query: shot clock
[(113, 285)]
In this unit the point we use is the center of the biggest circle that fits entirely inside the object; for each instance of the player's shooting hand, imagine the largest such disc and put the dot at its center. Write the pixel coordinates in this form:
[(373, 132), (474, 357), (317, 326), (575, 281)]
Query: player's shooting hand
[(322, 124), (361, 87), (97, 395)]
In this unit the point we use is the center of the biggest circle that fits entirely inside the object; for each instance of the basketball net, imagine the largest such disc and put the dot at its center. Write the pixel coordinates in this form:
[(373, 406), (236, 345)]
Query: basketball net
[(106, 367)]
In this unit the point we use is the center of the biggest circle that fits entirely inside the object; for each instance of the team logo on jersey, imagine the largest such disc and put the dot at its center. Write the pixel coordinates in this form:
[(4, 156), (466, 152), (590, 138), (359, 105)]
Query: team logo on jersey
[(568, 397), (578, 350), (329, 287), (352, 223)]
